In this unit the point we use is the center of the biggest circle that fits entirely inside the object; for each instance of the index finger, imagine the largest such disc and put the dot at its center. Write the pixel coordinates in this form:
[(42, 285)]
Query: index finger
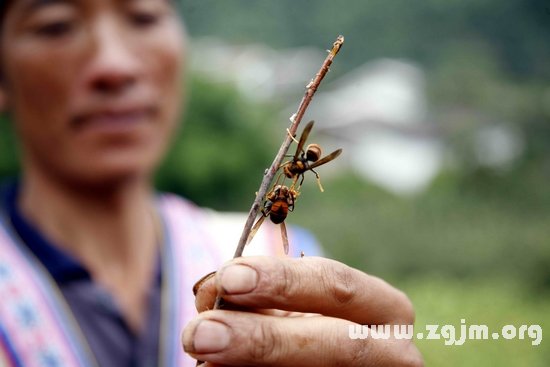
[(314, 285)]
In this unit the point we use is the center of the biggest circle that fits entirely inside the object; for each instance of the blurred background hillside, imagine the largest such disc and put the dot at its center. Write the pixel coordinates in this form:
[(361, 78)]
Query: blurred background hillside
[(443, 111)]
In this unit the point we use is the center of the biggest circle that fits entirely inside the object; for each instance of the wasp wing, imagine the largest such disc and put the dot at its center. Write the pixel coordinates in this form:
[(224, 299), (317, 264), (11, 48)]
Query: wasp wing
[(255, 229), (325, 159), (284, 236), (303, 138)]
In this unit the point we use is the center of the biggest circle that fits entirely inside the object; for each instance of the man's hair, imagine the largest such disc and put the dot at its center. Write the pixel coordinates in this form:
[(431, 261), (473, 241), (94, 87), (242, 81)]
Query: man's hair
[(4, 5)]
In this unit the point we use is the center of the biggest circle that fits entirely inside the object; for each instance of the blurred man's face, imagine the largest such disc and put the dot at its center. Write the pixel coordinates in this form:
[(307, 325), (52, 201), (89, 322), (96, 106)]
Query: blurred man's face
[(93, 86)]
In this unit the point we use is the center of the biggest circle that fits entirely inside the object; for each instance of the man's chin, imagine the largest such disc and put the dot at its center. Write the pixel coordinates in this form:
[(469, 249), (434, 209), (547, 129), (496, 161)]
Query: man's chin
[(111, 179)]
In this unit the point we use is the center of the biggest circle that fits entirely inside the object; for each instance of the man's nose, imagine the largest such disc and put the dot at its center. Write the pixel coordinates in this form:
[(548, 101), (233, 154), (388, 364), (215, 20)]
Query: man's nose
[(114, 65)]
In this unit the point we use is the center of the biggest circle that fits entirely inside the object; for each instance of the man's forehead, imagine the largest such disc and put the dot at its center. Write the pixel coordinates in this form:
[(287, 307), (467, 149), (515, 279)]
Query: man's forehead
[(25, 7)]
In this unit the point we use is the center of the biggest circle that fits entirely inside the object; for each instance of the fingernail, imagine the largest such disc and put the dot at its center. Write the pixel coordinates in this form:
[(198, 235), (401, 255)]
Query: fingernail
[(238, 279), (201, 281), (208, 337)]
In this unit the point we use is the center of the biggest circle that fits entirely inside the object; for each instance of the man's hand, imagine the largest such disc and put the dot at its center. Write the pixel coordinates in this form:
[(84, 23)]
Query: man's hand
[(299, 313)]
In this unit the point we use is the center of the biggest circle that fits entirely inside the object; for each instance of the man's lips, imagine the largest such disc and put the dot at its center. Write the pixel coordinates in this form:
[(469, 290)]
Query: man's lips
[(115, 120)]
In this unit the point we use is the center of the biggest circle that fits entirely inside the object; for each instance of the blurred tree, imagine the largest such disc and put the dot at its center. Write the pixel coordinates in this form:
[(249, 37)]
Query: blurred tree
[(8, 150), (223, 148), (516, 30)]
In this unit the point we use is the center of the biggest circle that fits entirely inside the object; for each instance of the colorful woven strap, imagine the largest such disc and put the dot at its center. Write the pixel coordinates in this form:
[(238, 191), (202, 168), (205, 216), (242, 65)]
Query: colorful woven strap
[(188, 255), (37, 328), (8, 357)]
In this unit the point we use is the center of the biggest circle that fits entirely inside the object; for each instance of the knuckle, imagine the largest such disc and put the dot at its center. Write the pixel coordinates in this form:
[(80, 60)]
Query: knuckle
[(266, 344), (286, 283), (340, 283)]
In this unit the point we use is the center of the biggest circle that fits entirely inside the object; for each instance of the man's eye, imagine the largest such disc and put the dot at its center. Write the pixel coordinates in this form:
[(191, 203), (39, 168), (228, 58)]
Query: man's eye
[(145, 19), (55, 29)]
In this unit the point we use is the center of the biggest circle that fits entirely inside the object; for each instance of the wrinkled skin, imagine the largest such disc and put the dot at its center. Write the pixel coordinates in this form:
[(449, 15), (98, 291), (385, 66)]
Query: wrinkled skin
[(298, 313)]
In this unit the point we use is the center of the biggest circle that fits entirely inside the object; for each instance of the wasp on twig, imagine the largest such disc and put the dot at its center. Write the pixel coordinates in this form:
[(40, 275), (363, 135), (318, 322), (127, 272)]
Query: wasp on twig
[(281, 199), (278, 203), (306, 160)]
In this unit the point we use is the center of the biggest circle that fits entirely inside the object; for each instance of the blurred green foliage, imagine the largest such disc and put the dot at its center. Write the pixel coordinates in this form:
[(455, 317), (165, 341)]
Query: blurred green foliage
[(489, 301), (465, 227), (8, 151), (220, 153), (515, 31)]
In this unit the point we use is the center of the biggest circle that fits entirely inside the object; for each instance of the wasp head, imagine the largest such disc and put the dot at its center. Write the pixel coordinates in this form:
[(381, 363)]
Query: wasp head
[(313, 152)]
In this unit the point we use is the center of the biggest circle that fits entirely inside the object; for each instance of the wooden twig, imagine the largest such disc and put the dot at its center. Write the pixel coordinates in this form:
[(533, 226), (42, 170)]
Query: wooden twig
[(269, 175)]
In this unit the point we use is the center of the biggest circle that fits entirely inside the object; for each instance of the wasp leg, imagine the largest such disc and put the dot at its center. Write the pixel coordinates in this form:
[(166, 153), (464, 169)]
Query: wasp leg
[(292, 136), (293, 185), (284, 236), (291, 207), (291, 202), (277, 180), (318, 181)]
